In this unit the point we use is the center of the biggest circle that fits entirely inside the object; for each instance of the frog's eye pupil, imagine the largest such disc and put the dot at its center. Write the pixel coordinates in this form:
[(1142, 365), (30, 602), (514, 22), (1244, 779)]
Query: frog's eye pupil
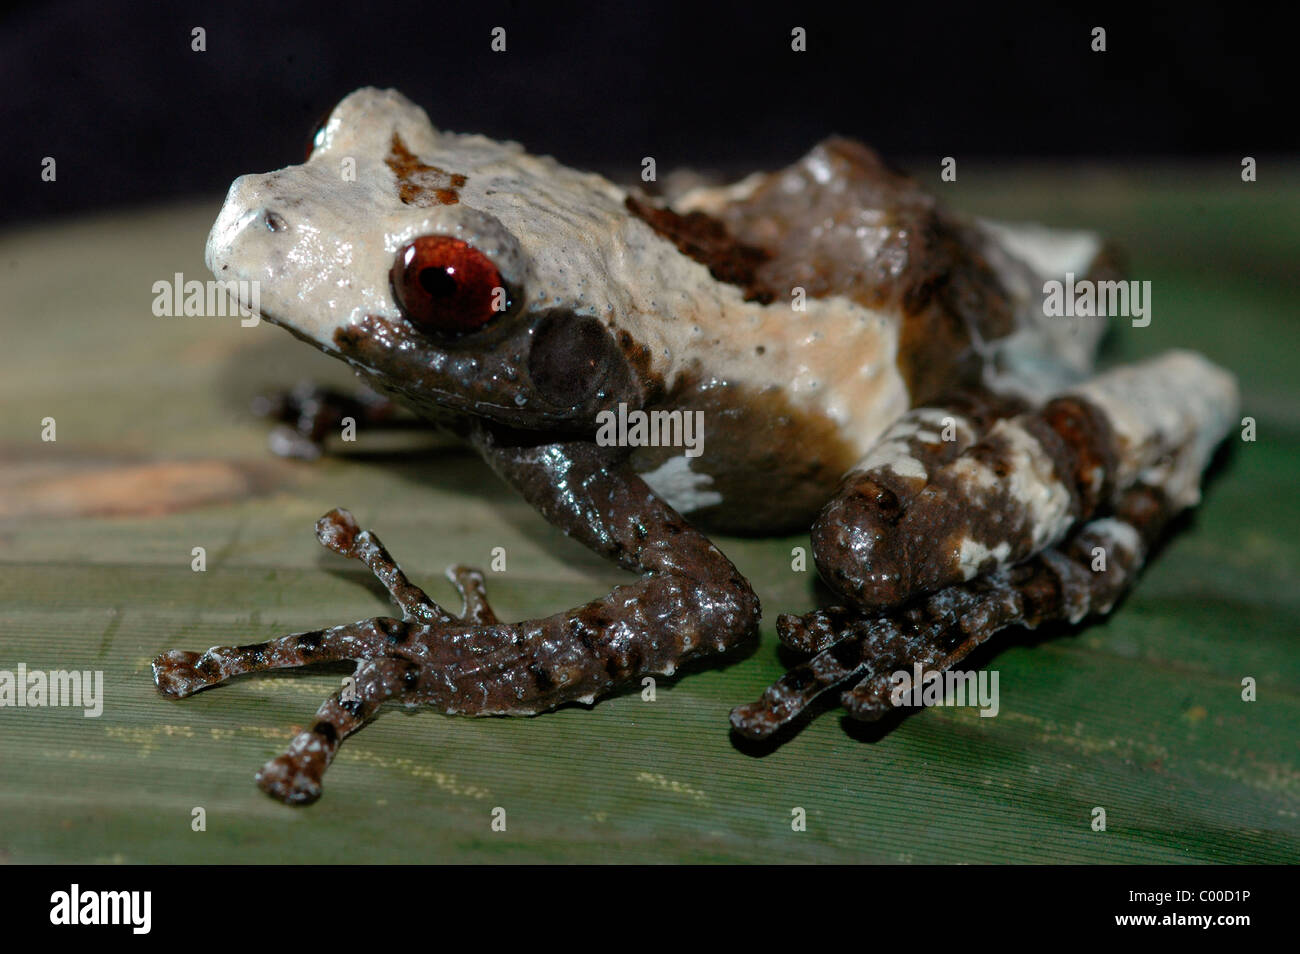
[(445, 286), (438, 282)]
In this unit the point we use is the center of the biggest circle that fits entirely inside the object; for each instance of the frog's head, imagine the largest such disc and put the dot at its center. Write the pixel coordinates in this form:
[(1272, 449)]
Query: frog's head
[(458, 273)]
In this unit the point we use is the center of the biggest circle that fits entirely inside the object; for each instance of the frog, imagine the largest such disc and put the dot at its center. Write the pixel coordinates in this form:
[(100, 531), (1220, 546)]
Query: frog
[(867, 366)]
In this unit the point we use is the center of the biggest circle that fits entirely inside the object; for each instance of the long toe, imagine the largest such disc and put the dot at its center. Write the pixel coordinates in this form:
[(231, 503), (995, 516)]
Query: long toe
[(290, 780), (176, 675)]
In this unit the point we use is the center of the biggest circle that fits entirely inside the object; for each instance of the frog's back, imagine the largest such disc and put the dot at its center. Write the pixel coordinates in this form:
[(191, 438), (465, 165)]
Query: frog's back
[(961, 302), (841, 222)]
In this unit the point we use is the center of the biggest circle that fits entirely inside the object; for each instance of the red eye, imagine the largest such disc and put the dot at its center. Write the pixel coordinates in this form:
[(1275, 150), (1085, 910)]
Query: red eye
[(446, 286)]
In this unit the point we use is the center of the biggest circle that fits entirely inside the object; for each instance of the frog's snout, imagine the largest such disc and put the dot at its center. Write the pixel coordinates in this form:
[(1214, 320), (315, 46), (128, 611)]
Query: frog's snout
[(240, 209)]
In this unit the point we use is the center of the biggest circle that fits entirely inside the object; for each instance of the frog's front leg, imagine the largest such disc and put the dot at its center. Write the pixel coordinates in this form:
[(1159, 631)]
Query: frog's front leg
[(178, 673), (689, 601)]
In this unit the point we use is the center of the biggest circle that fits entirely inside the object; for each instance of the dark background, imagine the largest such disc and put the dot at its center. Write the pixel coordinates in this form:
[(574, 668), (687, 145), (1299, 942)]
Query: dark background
[(115, 94)]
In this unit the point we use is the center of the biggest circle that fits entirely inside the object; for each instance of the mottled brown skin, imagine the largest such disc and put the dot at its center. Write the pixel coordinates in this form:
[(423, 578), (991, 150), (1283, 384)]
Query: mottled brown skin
[(862, 517), (778, 239), (947, 293), (940, 630), (878, 547)]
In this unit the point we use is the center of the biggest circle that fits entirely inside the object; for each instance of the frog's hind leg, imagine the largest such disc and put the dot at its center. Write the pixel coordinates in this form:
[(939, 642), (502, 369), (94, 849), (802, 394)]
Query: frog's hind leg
[(937, 632), (1085, 575), (1022, 486), (927, 580), (295, 776), (879, 490)]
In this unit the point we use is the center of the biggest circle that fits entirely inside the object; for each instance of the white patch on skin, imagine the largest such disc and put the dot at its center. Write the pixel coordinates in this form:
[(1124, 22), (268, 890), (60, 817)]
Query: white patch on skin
[(896, 455), (974, 475), (1122, 534), (1045, 500), (904, 427), (1044, 354), (711, 200), (938, 417), (894, 450), (1030, 480), (681, 487), (1046, 250), (973, 554), (1168, 415)]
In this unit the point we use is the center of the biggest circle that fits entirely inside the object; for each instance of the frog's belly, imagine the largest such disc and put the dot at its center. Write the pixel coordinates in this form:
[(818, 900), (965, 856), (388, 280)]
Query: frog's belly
[(753, 464)]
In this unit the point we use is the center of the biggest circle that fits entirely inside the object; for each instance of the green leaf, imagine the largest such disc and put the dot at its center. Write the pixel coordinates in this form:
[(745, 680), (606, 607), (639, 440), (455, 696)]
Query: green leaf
[(1140, 714)]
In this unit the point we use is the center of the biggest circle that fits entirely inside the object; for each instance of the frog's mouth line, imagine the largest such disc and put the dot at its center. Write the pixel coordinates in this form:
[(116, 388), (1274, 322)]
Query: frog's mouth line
[(300, 335), (368, 346), (434, 381)]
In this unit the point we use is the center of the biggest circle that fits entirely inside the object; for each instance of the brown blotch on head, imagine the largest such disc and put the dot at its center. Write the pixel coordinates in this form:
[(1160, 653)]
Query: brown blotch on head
[(707, 241), (419, 184)]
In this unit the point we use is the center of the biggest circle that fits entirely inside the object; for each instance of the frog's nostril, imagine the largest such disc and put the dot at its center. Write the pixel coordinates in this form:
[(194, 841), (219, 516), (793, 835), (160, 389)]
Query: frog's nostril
[(274, 221)]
